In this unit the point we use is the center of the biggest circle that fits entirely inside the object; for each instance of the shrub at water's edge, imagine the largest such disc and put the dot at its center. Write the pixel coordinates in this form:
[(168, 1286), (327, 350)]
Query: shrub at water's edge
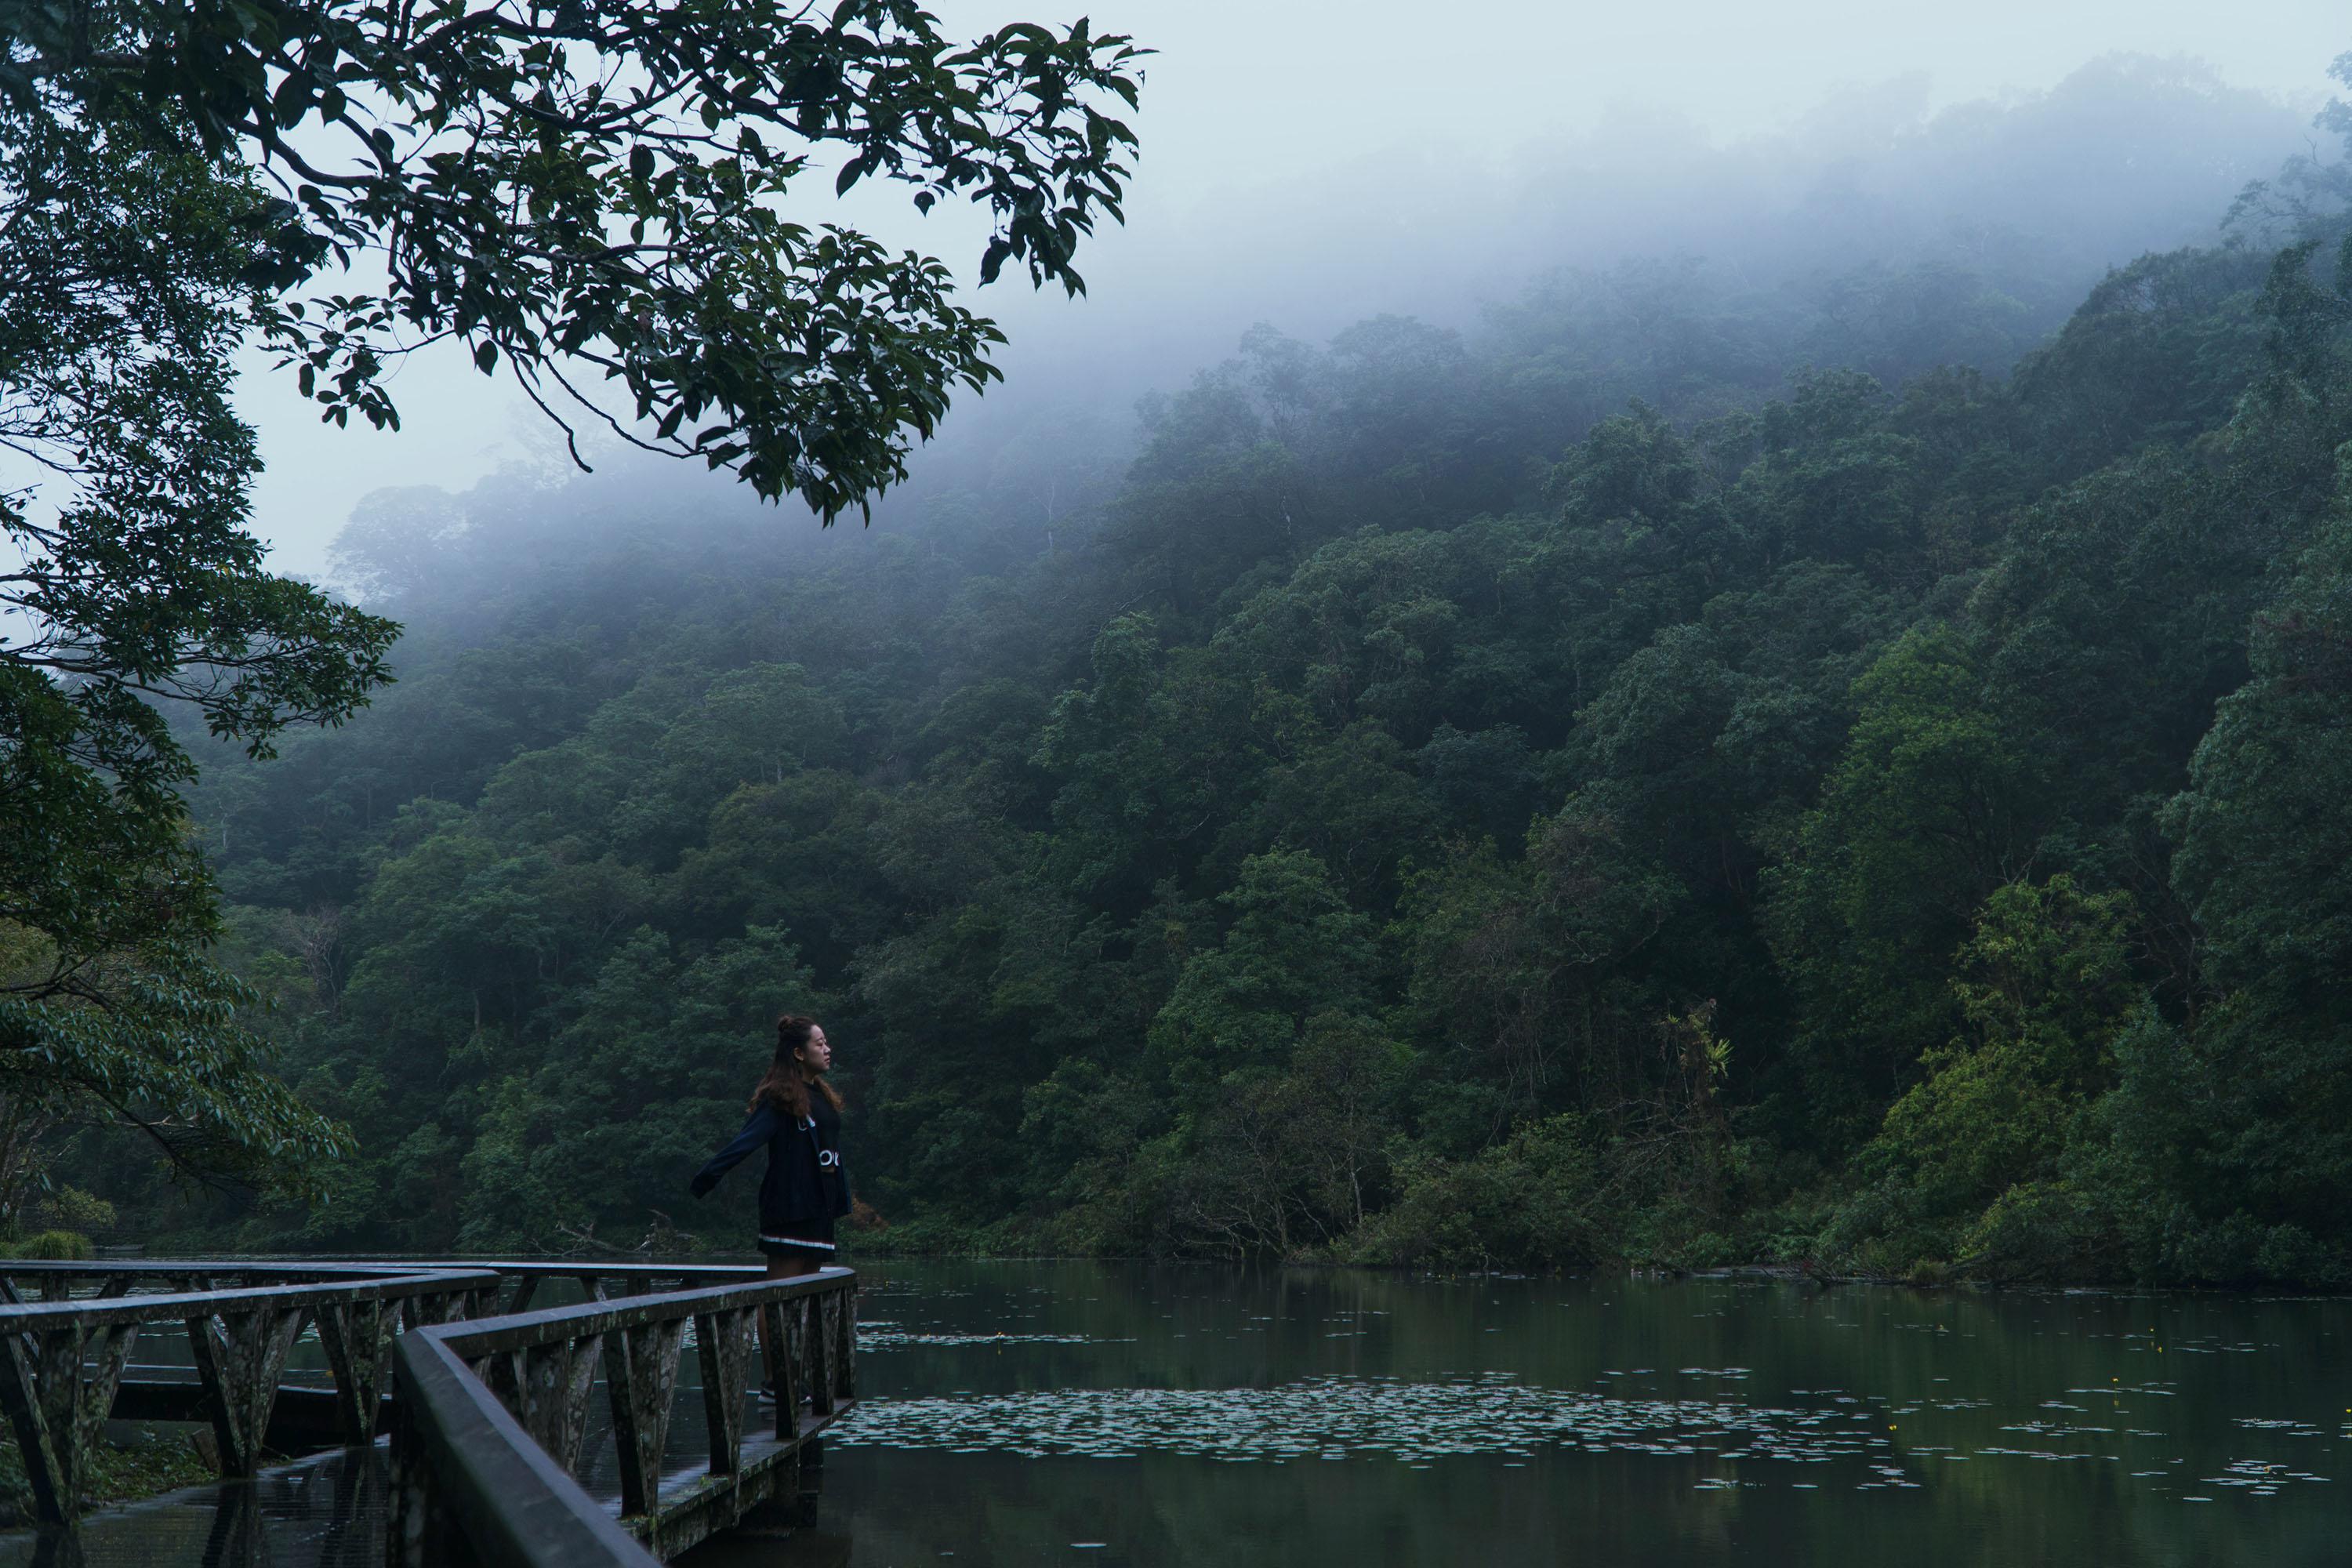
[(55, 1246)]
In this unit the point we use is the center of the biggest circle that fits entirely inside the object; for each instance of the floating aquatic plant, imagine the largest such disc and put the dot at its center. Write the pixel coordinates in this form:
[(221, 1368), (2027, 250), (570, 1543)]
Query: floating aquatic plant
[(1325, 1417)]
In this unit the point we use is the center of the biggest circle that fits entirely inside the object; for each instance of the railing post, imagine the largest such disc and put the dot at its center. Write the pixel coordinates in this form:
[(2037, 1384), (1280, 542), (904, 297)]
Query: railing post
[(57, 1412), (353, 1335), (723, 1341), (548, 1389), (21, 1390), (776, 1322), (239, 1358), (641, 1374), (817, 1336), (844, 1360), (429, 1308)]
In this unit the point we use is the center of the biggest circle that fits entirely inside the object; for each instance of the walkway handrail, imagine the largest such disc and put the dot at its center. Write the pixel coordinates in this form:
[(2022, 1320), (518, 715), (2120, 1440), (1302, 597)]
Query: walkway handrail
[(61, 1361), (465, 1471), (58, 1278), (492, 1415), (253, 1266), (33, 1317), (573, 1268), (601, 1279)]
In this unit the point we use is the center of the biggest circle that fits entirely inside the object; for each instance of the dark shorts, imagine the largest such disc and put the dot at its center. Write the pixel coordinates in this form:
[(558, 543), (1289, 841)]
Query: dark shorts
[(806, 1239)]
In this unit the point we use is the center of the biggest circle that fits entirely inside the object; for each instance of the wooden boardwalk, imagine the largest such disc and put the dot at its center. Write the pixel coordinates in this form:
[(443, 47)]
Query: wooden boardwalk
[(489, 1401)]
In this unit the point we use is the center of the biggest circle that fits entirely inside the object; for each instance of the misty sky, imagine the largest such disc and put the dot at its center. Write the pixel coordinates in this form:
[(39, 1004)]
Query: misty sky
[(1411, 119)]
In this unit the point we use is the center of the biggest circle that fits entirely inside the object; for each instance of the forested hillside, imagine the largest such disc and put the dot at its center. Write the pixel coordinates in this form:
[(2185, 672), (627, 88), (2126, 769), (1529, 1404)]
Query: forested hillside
[(1709, 766)]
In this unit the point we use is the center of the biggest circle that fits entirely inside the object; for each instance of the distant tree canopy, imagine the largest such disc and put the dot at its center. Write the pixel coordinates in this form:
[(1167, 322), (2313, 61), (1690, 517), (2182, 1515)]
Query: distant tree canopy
[(600, 189)]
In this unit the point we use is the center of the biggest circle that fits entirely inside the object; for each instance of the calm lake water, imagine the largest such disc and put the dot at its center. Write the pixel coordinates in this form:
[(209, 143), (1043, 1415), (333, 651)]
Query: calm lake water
[(1097, 1415), (1104, 1414)]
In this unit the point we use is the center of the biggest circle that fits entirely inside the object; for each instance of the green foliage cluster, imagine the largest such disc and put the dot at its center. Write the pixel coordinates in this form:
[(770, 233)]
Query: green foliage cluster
[(603, 187), (1415, 814), (148, 1463), (135, 588), (54, 1246)]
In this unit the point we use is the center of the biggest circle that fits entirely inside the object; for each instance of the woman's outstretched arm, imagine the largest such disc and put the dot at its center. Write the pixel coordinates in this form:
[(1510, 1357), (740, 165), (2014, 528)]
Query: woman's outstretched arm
[(756, 1131)]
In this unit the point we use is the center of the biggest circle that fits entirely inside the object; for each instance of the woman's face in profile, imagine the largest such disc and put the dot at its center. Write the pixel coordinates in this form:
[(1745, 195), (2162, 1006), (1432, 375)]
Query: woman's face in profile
[(816, 1053)]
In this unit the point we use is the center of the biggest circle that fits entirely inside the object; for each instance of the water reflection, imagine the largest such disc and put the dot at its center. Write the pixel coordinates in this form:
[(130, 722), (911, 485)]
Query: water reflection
[(1105, 1414), (325, 1513)]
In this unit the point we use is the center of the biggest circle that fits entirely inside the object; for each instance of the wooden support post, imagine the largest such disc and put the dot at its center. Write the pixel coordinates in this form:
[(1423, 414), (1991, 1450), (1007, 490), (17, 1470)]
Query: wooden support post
[(58, 1406), (776, 1320), (428, 1309), (550, 1389), (352, 1335), (817, 1336), (844, 1352), (723, 1341), (104, 1356), (450, 1306), (238, 1356), (641, 1374)]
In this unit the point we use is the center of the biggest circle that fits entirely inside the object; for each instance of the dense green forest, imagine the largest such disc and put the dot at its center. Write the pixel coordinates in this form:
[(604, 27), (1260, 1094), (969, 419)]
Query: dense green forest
[(1708, 765)]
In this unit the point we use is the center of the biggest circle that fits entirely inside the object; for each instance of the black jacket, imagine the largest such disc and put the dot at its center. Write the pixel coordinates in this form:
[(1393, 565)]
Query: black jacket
[(804, 1181)]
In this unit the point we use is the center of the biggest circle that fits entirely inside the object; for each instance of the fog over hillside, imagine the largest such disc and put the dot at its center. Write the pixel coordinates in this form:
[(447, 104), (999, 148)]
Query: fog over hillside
[(2038, 193), (1988, 148), (1851, 231)]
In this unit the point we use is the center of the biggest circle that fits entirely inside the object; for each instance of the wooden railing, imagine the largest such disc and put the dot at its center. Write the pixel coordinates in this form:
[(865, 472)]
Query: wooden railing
[(489, 1417), (62, 1357), (519, 1281), (489, 1401)]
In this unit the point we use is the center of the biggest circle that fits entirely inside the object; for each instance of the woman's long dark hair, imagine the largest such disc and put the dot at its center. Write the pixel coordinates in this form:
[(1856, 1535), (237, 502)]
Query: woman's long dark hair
[(786, 1085)]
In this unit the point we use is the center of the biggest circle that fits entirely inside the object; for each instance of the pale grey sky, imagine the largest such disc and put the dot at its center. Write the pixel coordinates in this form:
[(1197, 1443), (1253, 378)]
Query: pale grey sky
[(1422, 109)]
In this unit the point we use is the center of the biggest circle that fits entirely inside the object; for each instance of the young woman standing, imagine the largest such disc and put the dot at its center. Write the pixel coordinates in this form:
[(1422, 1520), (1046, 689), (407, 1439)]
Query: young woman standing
[(797, 1115)]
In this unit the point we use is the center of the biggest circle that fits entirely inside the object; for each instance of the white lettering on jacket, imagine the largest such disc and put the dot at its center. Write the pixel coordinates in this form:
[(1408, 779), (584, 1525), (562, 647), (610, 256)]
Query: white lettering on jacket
[(826, 1159)]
